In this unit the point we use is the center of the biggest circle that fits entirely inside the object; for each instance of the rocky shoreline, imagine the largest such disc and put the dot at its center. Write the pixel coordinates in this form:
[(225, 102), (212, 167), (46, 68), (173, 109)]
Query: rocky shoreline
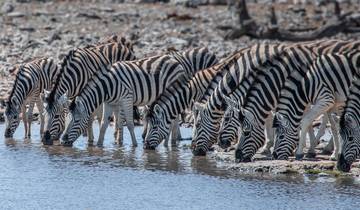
[(35, 28)]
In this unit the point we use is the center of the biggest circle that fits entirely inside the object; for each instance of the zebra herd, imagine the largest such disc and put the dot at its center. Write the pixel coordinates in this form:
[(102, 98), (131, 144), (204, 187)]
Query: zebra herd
[(263, 96)]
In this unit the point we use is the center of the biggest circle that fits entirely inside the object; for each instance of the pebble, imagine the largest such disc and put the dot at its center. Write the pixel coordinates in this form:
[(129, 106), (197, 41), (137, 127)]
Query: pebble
[(7, 7), (16, 14)]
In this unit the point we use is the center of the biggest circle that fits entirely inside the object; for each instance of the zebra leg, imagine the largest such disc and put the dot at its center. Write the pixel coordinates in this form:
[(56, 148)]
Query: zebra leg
[(40, 107), (318, 109), (90, 133), (29, 117), (145, 123), (335, 134), (106, 115), (118, 126), (175, 132), (329, 148), (127, 106), (269, 135), (24, 118), (322, 128), (311, 152)]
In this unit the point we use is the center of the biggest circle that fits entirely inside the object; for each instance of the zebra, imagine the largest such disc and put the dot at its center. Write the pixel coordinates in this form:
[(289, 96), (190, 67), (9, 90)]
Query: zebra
[(208, 113), (131, 83), (177, 99), (212, 112), (262, 97), (326, 86), (349, 129), (242, 72), (230, 122), (77, 68), (31, 79)]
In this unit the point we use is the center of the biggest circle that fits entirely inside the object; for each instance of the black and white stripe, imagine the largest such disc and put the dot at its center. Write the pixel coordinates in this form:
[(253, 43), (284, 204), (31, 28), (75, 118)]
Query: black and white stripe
[(31, 80), (77, 68), (256, 111), (326, 86), (240, 76), (135, 83), (349, 129), (176, 99)]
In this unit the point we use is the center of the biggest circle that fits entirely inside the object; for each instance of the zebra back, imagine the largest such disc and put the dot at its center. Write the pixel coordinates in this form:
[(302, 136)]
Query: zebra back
[(78, 66)]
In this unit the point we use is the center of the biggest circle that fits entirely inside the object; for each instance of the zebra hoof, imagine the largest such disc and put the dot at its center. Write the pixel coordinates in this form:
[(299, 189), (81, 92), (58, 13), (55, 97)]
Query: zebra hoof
[(67, 143), (333, 157), (48, 142), (266, 152), (326, 152), (299, 156), (311, 155)]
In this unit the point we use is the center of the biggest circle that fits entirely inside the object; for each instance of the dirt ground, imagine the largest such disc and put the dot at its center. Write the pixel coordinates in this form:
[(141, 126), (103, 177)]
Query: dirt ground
[(52, 28)]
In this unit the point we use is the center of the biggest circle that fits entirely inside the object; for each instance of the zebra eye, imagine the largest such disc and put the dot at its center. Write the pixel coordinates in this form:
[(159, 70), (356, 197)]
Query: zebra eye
[(246, 133), (351, 138)]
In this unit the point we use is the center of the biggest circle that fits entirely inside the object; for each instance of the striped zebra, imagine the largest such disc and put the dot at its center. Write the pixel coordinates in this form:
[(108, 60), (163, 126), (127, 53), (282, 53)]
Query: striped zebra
[(326, 86), (133, 83), (349, 129), (177, 99), (212, 112), (262, 98), (240, 77), (230, 124), (77, 67), (31, 79)]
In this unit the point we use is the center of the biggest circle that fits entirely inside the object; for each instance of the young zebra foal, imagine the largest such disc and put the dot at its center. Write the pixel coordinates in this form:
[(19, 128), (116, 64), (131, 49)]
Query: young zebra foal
[(31, 79)]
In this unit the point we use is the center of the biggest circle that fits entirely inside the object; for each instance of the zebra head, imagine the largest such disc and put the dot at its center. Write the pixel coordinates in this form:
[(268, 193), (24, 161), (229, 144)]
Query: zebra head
[(12, 117), (79, 118), (251, 134), (203, 131), (229, 126), (158, 128), (285, 138), (350, 135), (54, 116)]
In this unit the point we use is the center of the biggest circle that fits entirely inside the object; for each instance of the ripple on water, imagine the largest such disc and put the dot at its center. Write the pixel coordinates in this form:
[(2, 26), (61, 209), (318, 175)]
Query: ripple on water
[(33, 176)]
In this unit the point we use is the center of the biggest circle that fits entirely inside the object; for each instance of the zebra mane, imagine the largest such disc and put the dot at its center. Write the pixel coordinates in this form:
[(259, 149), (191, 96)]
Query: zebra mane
[(19, 72), (72, 105), (51, 98)]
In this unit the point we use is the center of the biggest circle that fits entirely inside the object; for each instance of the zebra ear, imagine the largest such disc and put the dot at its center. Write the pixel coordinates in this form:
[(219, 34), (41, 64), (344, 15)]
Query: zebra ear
[(232, 104), (350, 121), (79, 106), (64, 100), (199, 106), (157, 111), (280, 120)]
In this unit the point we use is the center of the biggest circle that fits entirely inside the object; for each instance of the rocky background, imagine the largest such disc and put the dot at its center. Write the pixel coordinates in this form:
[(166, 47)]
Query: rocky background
[(33, 28), (51, 28)]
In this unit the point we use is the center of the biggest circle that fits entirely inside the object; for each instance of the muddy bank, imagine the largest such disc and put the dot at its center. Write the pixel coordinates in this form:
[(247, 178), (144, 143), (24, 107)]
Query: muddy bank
[(321, 166)]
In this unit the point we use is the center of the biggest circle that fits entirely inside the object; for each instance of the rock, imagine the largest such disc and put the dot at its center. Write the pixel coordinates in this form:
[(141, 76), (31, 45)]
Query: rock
[(177, 41), (7, 7), (322, 174), (54, 36), (27, 28), (16, 14), (88, 15)]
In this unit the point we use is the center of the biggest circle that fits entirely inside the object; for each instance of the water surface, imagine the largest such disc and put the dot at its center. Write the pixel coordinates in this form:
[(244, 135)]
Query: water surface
[(33, 176)]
